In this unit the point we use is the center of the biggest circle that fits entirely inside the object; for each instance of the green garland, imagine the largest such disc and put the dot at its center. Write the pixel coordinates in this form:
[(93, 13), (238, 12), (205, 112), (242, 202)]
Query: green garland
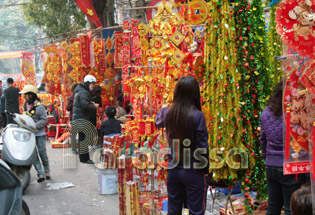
[(240, 75), (274, 49), (222, 91)]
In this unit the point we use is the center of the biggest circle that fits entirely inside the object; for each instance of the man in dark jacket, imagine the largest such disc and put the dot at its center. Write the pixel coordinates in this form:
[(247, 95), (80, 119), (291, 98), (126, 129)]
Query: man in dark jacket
[(70, 100), (82, 107), (111, 125), (11, 95)]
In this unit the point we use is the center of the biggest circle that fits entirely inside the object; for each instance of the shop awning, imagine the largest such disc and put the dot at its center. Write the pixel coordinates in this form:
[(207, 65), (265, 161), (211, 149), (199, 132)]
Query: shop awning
[(14, 54)]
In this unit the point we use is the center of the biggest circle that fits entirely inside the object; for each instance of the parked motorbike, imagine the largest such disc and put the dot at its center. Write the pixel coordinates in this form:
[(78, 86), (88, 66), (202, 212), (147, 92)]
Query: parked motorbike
[(19, 146), (11, 189)]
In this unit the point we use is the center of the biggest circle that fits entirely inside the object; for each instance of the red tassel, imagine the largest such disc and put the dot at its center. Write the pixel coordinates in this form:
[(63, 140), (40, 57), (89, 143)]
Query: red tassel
[(313, 150), (287, 134)]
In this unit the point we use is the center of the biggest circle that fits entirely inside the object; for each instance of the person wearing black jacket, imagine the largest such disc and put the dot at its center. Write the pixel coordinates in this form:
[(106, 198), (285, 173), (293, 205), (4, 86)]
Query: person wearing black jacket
[(82, 107), (70, 101), (96, 98), (111, 125)]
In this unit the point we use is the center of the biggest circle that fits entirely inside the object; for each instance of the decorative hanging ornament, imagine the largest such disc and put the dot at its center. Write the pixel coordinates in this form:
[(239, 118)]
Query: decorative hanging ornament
[(199, 68), (308, 76), (144, 44), (73, 48), (74, 75), (199, 11), (298, 112), (109, 44), (63, 45), (295, 23), (178, 56), (155, 26), (177, 38), (143, 29), (157, 44), (110, 58), (176, 19)]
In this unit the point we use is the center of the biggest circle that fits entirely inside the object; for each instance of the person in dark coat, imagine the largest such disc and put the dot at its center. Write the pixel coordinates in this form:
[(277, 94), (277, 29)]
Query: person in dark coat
[(96, 98), (82, 107), (187, 177), (280, 187), (11, 95), (111, 125), (70, 101), (2, 108), (51, 110)]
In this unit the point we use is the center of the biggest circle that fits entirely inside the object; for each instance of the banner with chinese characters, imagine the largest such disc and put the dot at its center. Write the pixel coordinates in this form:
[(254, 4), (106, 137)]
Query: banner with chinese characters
[(28, 68), (118, 49)]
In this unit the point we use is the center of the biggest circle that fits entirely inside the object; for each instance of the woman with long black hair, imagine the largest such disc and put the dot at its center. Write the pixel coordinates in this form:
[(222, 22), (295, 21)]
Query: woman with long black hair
[(188, 138), (35, 109)]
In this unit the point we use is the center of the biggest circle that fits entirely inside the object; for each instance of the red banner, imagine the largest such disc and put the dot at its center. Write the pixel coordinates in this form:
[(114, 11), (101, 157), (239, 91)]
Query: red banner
[(85, 49), (136, 52), (296, 168), (28, 68), (119, 42), (126, 42), (88, 8)]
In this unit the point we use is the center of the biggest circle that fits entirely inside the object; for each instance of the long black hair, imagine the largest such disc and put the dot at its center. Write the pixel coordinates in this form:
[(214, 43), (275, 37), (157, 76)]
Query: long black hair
[(275, 101), (180, 115)]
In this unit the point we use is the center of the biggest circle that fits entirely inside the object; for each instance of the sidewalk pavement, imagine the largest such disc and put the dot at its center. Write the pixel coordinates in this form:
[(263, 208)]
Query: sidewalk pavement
[(82, 199)]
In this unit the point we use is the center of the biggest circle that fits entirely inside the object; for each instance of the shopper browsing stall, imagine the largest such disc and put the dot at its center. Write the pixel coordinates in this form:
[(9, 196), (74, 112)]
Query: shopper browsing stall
[(97, 99), (185, 121), (34, 108), (82, 107), (280, 186), (70, 101), (111, 125)]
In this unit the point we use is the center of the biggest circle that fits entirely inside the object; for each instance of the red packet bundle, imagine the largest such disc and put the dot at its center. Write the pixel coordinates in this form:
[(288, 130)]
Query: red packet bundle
[(132, 200), (109, 159), (124, 175), (117, 144)]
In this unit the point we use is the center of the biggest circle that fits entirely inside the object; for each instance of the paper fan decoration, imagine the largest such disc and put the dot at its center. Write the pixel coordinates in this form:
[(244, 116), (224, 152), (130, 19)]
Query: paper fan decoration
[(299, 119), (295, 23)]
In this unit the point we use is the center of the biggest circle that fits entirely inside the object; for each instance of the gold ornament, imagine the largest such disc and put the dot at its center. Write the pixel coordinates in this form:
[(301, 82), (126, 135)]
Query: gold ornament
[(143, 29), (157, 44), (178, 56), (144, 44), (176, 19), (164, 9), (109, 44), (166, 28), (177, 38), (199, 11), (155, 26)]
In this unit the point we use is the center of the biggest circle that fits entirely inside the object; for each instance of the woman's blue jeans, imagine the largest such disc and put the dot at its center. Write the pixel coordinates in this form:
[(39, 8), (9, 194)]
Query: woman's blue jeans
[(42, 154), (280, 189)]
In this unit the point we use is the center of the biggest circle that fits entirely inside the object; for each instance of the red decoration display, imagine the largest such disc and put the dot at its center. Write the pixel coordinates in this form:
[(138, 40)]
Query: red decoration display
[(297, 117), (118, 49), (295, 24)]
